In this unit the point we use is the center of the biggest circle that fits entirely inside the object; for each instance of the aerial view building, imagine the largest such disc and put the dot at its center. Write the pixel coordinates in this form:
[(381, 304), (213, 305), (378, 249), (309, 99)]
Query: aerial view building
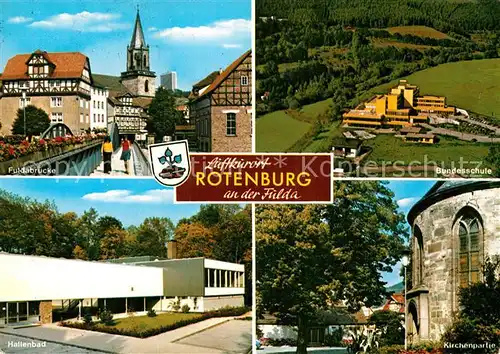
[(402, 107), (455, 229), (221, 108)]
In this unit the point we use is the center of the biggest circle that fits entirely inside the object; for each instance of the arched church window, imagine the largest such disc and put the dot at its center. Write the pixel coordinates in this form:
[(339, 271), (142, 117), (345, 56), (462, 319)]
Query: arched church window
[(418, 255), (146, 86), (469, 235)]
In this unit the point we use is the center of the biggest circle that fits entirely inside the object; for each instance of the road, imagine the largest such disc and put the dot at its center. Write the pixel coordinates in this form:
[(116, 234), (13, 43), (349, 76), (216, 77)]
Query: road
[(234, 336), (459, 135), (16, 345)]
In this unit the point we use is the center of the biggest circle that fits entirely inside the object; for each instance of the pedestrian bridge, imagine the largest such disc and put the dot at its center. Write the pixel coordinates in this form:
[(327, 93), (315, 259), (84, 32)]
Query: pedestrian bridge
[(84, 160)]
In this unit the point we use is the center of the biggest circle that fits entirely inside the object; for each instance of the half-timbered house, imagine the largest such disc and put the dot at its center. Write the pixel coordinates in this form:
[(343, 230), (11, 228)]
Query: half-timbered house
[(58, 83), (221, 112)]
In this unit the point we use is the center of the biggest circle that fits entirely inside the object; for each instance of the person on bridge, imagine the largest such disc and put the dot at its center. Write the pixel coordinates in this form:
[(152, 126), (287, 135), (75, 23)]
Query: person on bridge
[(107, 152), (125, 153)]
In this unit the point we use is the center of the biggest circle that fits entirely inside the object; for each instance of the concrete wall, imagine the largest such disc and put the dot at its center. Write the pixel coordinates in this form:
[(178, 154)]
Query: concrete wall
[(42, 278), (278, 331), (217, 302), (182, 277), (438, 301)]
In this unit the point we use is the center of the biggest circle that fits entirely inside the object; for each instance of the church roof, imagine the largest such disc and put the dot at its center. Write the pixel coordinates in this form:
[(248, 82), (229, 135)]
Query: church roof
[(446, 189), (137, 40), (67, 65)]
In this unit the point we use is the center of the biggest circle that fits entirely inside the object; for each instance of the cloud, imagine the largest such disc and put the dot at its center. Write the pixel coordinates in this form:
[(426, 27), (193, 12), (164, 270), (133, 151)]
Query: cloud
[(406, 202), (231, 46), (216, 31), (19, 19), (152, 29), (83, 22), (126, 196)]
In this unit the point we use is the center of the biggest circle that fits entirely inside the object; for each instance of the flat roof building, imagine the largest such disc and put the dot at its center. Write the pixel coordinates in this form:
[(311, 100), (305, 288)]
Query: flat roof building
[(33, 286)]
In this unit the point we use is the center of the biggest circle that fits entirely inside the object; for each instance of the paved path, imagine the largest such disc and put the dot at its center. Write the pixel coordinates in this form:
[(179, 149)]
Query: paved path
[(15, 345), (459, 135), (291, 350), (117, 166), (163, 343), (233, 336), (481, 124)]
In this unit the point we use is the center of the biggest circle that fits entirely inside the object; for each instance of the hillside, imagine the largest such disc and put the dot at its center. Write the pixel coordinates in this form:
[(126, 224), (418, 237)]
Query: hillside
[(444, 15), (396, 288)]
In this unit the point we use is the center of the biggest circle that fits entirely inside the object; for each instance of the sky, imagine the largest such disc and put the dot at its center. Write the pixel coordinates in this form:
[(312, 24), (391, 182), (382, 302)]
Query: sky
[(191, 37), (407, 193), (129, 200)]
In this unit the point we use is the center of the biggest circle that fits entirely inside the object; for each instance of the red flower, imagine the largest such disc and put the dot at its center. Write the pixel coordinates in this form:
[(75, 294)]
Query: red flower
[(42, 142), (25, 143), (11, 151)]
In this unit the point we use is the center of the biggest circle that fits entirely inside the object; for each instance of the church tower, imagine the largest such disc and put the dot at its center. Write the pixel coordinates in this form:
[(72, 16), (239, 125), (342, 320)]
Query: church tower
[(138, 78)]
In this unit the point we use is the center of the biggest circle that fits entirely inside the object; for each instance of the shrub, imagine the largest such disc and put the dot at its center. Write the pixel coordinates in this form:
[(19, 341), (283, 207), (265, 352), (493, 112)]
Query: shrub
[(106, 317), (392, 326), (152, 313), (87, 319), (185, 308), (175, 305)]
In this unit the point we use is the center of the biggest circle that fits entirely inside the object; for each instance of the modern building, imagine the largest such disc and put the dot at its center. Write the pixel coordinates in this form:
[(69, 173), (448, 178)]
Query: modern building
[(33, 286), (98, 107), (58, 83), (427, 138), (455, 227), (401, 107), (222, 111), (169, 80), (131, 93)]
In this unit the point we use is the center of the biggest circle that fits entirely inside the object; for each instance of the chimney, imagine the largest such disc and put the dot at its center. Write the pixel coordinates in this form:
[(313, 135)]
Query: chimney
[(172, 249)]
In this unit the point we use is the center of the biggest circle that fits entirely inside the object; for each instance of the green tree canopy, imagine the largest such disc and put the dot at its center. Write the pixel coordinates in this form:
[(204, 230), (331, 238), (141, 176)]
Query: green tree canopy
[(312, 256), (37, 121), (163, 114)]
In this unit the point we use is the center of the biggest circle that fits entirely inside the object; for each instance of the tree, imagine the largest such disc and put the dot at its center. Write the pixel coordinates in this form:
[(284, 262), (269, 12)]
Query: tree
[(313, 256), (163, 114), (478, 321), (493, 159), (112, 244), (194, 240), (152, 235), (392, 325), (37, 121), (88, 237)]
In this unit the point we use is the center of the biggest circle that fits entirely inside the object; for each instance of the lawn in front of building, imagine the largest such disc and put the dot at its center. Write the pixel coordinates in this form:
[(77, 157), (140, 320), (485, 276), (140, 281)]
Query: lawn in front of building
[(145, 323), (448, 151)]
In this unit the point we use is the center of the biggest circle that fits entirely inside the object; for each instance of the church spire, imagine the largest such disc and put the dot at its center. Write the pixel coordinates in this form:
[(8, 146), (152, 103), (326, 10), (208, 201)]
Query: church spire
[(137, 40)]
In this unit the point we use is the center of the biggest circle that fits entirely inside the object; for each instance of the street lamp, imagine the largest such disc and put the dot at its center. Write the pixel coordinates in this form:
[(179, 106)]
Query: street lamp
[(24, 110), (405, 260)]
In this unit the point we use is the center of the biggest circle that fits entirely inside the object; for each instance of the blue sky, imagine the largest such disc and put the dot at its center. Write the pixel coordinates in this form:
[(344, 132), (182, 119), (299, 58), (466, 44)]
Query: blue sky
[(191, 37), (407, 193), (129, 200)]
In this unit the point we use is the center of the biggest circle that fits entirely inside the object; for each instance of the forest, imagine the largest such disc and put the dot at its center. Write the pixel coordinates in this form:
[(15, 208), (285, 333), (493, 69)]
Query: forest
[(444, 15)]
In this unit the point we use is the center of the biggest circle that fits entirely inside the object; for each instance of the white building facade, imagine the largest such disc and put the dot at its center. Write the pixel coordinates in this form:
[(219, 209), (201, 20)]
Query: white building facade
[(33, 286), (98, 108), (169, 80)]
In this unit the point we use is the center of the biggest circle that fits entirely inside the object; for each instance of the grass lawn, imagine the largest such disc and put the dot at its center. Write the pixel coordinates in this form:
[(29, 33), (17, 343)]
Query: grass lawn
[(421, 31), (472, 85), (141, 323), (325, 137), (277, 131), (383, 43), (387, 148)]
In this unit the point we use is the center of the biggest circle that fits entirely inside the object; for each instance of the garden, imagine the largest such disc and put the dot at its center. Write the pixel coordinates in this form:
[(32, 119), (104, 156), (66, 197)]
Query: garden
[(150, 325), (16, 146)]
